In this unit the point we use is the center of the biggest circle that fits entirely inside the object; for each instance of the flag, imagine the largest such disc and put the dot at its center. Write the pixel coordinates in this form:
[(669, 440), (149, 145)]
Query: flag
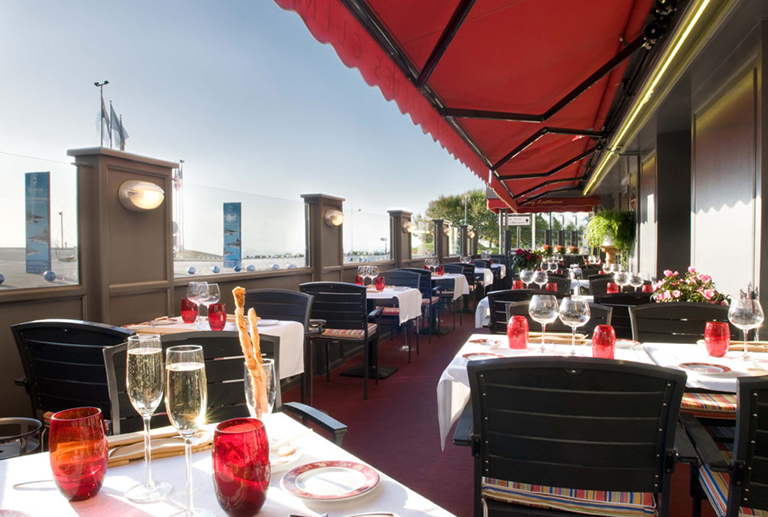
[(177, 179), (105, 125), (121, 135)]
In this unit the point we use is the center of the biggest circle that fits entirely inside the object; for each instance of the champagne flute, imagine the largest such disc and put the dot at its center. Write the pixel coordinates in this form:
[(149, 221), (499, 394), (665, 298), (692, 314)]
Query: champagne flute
[(543, 309), (574, 312), (541, 278), (526, 275), (186, 397), (144, 384), (746, 313)]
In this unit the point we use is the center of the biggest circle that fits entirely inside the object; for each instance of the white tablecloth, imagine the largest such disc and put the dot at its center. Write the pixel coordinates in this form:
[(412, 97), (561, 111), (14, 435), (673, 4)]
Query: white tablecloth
[(43, 499), (458, 282), (453, 386), (409, 301), (581, 284), (671, 355), (487, 275), (502, 269), (291, 336)]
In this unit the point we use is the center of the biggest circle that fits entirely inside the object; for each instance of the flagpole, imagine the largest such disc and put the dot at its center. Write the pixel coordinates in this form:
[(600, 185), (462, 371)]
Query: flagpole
[(100, 86), (122, 136), (110, 124)]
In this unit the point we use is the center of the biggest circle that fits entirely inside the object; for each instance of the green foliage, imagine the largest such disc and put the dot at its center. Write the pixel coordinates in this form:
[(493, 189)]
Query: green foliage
[(619, 225), (451, 208)]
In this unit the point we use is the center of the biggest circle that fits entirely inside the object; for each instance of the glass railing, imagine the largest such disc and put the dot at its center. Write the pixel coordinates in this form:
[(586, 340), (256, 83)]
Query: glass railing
[(422, 240), (38, 242), (454, 241), (224, 231), (366, 236)]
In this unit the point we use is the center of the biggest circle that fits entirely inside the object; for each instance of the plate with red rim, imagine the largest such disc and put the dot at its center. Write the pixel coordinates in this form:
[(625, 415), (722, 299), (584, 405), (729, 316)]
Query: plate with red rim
[(477, 356), (708, 368), (330, 480), (492, 343), (626, 343)]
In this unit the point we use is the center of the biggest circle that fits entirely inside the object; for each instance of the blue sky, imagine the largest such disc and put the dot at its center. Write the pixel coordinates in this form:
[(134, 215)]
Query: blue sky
[(240, 90)]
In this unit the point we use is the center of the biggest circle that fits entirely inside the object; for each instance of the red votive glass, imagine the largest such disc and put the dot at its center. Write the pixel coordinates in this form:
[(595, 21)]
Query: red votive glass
[(517, 332), (217, 316), (78, 448), (241, 468), (359, 280), (551, 287), (188, 310), (518, 284), (717, 338), (648, 288), (379, 281), (440, 270), (612, 288), (604, 342)]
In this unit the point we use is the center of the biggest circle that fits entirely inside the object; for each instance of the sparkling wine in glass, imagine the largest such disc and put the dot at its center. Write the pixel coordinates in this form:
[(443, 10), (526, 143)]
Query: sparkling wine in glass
[(186, 397), (526, 275), (746, 313), (543, 309), (541, 278), (144, 384), (574, 312)]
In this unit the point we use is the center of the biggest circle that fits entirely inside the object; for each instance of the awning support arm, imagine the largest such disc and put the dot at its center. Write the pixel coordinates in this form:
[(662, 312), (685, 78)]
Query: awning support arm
[(540, 133), (458, 17), (552, 171), (550, 182)]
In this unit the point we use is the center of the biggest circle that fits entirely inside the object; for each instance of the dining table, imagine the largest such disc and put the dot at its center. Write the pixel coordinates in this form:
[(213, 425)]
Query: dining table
[(486, 275), (502, 269), (320, 478), (717, 374), (291, 334), (408, 300), (457, 281)]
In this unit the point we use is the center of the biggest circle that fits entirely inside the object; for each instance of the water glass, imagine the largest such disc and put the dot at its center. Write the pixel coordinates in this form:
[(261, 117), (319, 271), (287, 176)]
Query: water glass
[(604, 342), (78, 447), (217, 316), (517, 332), (574, 312), (188, 310), (526, 275), (241, 468), (717, 338), (543, 309), (745, 313)]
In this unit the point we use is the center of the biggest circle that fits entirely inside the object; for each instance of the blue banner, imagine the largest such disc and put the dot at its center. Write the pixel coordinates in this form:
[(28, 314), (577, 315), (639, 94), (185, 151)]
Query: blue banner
[(37, 190), (232, 235)]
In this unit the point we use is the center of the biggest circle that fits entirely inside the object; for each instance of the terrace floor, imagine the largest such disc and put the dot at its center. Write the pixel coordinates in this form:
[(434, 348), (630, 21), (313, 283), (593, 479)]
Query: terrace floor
[(396, 431)]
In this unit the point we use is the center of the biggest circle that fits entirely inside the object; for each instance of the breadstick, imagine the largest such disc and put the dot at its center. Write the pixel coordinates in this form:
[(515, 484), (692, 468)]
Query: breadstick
[(255, 340), (252, 356)]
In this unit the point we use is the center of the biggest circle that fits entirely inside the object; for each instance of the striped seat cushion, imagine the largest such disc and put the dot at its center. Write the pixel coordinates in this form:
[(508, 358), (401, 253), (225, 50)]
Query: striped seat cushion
[(350, 333), (715, 485), (430, 301), (710, 404), (391, 311), (588, 502)]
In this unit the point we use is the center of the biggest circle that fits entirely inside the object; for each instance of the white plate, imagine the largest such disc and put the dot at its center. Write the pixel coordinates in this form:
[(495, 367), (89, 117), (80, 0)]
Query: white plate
[(162, 322), (330, 480), (626, 343), (282, 462), (268, 323)]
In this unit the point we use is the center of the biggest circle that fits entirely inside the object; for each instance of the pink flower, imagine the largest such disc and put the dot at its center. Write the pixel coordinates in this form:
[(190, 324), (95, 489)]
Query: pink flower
[(667, 272), (691, 269), (709, 293), (676, 293), (705, 278), (665, 295), (724, 302)]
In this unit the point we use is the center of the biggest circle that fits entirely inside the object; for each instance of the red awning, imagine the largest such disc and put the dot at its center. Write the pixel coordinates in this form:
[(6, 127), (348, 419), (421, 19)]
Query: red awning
[(550, 204), (517, 90)]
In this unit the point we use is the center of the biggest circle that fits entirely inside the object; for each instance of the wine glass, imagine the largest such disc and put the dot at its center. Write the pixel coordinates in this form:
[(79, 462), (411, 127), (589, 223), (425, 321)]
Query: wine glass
[(574, 312), (212, 295), (746, 313), (553, 266), (374, 273), (144, 384), (636, 281), (186, 397), (360, 275), (526, 275), (193, 295), (621, 278), (543, 309), (541, 278)]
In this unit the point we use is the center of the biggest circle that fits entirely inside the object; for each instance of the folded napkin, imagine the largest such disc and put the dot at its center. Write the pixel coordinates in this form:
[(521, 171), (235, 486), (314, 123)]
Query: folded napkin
[(558, 338), (165, 442), (752, 346)]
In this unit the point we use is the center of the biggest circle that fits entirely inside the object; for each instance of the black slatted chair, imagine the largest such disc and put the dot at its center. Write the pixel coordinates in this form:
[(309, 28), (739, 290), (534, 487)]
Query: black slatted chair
[(481, 263), (680, 322), (574, 259), (286, 305), (599, 315), (591, 425), (734, 478), (598, 284), (343, 306), (621, 302), (497, 306), (505, 282), (430, 301), (63, 363), (563, 284), (401, 278)]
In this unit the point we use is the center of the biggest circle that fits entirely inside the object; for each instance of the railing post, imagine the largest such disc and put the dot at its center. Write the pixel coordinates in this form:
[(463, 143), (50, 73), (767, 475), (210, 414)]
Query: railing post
[(399, 221), (441, 239), (325, 241), (464, 236)]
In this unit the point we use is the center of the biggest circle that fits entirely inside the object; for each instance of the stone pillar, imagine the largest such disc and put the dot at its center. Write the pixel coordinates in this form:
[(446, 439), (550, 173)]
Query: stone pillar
[(473, 244), (400, 237), (441, 239), (126, 257), (464, 236), (325, 242)]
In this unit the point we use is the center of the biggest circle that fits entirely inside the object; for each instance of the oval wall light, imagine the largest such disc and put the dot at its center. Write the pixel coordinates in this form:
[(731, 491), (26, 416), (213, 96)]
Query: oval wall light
[(334, 217), (408, 227), (140, 196)]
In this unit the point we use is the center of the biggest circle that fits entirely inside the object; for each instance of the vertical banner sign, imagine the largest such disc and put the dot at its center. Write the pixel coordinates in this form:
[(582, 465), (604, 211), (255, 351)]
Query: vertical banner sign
[(37, 190), (232, 235)]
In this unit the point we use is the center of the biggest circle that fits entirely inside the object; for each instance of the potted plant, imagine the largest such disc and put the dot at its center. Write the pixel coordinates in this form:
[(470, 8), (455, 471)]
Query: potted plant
[(613, 231)]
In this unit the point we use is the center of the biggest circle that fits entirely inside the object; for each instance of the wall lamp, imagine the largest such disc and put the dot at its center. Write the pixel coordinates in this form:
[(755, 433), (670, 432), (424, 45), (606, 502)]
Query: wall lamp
[(140, 196), (471, 234), (408, 227), (646, 93), (447, 230), (334, 217)]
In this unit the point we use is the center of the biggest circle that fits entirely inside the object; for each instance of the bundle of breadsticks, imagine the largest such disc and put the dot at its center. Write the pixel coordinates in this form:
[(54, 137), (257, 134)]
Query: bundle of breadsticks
[(251, 351)]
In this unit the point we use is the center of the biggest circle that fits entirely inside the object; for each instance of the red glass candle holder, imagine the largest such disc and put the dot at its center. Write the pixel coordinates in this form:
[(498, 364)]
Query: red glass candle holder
[(379, 281), (359, 280), (604, 342), (440, 270), (241, 468), (648, 288), (188, 311), (551, 287), (518, 284), (717, 338), (217, 316), (517, 332), (78, 448), (612, 288)]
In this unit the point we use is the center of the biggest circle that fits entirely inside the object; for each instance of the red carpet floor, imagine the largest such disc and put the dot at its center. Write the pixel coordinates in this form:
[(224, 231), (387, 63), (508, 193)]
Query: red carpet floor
[(396, 430)]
